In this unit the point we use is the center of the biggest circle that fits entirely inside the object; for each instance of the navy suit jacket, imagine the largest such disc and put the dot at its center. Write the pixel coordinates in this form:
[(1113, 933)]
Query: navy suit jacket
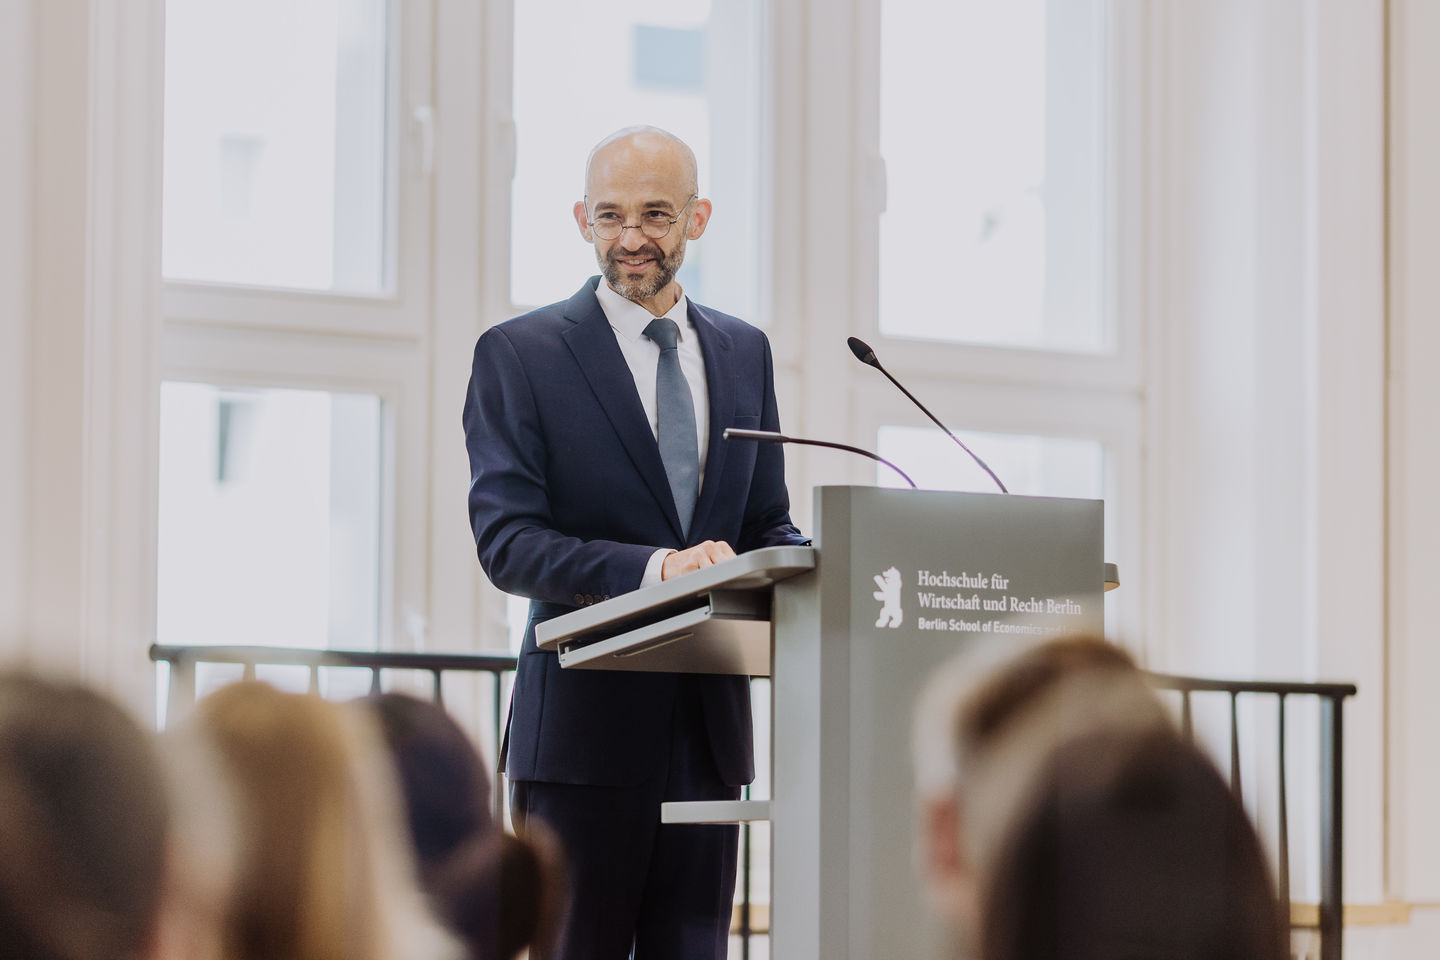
[(569, 500)]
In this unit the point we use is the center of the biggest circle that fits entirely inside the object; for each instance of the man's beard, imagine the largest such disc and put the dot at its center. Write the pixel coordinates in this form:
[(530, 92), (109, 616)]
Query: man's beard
[(639, 289)]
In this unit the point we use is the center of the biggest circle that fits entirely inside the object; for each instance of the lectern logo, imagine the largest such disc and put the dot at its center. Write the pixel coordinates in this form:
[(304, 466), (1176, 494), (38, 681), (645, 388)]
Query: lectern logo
[(889, 597)]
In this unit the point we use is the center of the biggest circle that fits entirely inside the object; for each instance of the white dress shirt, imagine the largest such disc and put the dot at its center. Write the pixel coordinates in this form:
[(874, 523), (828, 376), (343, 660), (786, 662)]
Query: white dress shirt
[(628, 320)]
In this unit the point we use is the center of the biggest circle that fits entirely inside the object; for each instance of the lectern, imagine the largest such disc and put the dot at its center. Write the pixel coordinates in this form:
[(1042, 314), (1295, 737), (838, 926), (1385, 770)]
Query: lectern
[(898, 583)]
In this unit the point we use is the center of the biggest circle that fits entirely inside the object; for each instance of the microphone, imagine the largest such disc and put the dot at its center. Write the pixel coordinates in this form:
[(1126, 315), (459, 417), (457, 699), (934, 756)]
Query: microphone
[(865, 355), (770, 436)]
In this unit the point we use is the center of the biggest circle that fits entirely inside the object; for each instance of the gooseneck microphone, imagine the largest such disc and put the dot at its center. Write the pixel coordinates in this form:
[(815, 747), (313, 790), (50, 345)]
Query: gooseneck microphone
[(865, 355), (769, 436)]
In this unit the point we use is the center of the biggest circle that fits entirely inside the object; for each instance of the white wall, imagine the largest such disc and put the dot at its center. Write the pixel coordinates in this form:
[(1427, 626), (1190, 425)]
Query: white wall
[(78, 175), (15, 142), (1414, 448), (1291, 394)]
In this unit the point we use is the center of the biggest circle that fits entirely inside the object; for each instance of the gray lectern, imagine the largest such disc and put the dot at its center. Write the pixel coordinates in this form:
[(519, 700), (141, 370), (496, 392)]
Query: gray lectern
[(899, 582)]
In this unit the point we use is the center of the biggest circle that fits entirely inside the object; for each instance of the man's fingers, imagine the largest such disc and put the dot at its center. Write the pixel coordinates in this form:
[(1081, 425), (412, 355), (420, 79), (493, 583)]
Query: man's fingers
[(698, 557), (716, 551)]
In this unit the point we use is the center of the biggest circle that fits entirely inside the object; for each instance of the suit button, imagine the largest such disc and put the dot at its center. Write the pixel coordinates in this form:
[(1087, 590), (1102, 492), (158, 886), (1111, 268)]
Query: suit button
[(579, 599)]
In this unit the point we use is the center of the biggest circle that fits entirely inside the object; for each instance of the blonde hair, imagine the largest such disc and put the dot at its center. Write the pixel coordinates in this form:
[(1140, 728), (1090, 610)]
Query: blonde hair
[(322, 868)]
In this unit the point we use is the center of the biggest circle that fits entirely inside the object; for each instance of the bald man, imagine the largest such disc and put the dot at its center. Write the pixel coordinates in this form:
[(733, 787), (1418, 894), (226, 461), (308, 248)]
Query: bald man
[(597, 467)]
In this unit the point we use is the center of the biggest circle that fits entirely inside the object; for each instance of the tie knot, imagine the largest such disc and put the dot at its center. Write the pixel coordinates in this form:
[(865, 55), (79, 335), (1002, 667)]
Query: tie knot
[(664, 332)]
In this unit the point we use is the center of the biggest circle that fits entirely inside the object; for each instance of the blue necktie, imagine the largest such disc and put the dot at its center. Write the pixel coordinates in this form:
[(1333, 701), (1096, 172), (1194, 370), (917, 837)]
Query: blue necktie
[(675, 430)]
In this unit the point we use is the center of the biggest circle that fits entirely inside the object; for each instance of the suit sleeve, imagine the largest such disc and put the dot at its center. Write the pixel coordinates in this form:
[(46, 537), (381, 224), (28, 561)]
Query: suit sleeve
[(519, 549), (767, 507)]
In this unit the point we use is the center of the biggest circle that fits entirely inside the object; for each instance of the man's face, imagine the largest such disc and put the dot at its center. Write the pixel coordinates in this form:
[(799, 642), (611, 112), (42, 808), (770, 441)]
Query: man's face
[(636, 266), (634, 180)]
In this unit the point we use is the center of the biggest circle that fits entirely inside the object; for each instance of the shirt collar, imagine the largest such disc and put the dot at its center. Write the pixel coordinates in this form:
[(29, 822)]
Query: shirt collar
[(630, 319)]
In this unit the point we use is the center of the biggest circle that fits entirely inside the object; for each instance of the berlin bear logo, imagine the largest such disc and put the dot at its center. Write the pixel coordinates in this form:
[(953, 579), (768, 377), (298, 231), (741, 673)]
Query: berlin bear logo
[(889, 595)]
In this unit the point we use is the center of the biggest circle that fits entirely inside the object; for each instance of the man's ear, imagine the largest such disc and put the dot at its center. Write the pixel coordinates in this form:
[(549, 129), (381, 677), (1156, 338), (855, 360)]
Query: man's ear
[(699, 218), (947, 874), (582, 220)]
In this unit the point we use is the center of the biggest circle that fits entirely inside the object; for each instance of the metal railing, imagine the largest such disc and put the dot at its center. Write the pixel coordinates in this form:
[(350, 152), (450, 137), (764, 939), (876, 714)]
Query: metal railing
[(184, 659), (1332, 794)]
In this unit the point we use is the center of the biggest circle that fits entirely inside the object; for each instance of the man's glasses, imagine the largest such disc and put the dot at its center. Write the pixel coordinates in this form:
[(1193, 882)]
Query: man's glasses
[(654, 224)]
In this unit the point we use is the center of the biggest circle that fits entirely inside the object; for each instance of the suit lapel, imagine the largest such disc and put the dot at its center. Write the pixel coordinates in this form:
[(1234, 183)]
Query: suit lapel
[(720, 385), (592, 342)]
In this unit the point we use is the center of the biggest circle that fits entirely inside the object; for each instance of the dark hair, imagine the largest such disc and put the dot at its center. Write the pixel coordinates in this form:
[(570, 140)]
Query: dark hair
[(1131, 848), (83, 823), (445, 784), (501, 893), (497, 892)]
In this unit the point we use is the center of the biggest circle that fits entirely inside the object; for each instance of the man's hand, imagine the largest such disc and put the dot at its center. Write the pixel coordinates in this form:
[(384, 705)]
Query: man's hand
[(701, 555)]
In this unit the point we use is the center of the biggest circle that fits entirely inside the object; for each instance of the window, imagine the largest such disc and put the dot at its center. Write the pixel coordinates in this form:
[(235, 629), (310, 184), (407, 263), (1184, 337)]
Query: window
[(1027, 464), (991, 125), (277, 159), (270, 517), (584, 70), (295, 242)]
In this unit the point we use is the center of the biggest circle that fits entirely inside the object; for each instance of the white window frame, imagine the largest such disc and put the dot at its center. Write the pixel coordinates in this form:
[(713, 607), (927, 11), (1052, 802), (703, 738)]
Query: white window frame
[(254, 336), (1123, 216), (829, 184), (400, 309)]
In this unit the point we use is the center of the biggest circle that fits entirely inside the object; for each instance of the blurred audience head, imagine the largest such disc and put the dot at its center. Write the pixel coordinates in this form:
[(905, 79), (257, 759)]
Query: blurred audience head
[(445, 786), (503, 894), (499, 893), (1064, 816), (1129, 845), (323, 870), (83, 825)]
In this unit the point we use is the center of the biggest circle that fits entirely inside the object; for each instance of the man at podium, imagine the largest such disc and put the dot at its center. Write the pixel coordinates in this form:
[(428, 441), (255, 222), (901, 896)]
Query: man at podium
[(593, 427)]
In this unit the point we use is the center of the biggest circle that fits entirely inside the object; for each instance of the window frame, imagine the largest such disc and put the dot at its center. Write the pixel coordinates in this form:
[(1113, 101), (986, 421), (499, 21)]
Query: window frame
[(1120, 258), (828, 169), (255, 336), (400, 309)]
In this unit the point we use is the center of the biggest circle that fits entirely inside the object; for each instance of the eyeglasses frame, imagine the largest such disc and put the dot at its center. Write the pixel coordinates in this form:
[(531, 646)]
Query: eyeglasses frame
[(670, 225)]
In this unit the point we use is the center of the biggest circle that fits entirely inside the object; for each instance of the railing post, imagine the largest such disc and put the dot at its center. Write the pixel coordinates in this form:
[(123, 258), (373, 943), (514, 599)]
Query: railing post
[(182, 689), (1282, 866), (745, 920), (1332, 803), (495, 757), (1235, 747)]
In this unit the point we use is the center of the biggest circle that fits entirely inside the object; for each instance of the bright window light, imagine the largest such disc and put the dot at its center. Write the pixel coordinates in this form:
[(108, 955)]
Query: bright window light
[(277, 143), (270, 517), (992, 121), (584, 70), (1028, 464)]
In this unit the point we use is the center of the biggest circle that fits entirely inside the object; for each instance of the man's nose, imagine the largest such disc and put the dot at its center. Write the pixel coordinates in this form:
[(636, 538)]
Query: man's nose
[(631, 238)]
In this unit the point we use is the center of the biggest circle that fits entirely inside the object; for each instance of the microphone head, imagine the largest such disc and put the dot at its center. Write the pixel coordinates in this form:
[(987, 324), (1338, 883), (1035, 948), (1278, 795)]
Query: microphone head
[(862, 351)]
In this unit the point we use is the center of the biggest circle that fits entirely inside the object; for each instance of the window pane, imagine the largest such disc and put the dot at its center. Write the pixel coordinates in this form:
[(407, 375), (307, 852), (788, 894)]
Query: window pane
[(584, 70), (993, 229), (1028, 464), (270, 512), (276, 143)]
